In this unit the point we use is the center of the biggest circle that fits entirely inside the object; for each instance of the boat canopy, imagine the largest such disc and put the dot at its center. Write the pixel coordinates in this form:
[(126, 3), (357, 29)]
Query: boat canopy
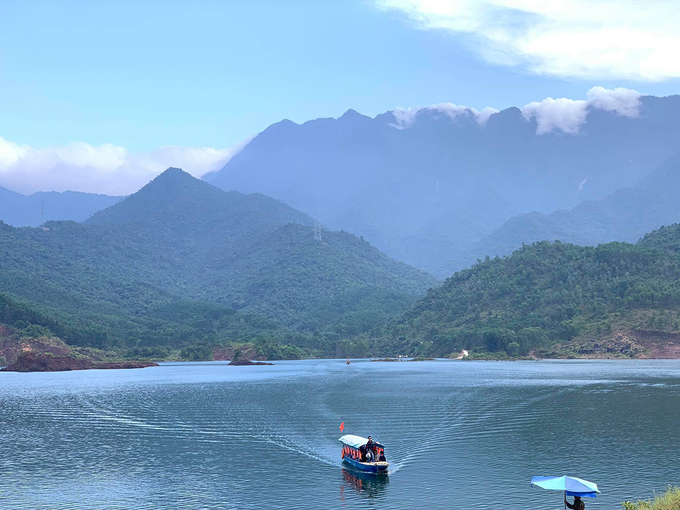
[(356, 441)]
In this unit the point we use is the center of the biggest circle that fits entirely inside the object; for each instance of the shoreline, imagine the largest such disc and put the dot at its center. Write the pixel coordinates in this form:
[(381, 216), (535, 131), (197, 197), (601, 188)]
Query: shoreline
[(133, 364)]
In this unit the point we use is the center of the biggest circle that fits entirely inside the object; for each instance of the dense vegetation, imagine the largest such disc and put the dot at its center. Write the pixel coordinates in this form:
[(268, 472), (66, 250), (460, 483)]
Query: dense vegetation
[(669, 500), (547, 293), (182, 269), (191, 328), (182, 264)]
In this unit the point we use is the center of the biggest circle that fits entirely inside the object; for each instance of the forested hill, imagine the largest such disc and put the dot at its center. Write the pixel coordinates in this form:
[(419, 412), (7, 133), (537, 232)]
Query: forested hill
[(173, 327), (547, 293), (180, 240), (177, 200)]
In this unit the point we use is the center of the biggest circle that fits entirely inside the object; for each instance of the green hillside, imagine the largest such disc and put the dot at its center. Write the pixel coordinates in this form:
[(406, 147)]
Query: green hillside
[(181, 262), (177, 326), (552, 293)]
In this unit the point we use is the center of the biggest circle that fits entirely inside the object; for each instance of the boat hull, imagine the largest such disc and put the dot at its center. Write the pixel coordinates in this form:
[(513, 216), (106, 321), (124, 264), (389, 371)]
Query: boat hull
[(367, 467)]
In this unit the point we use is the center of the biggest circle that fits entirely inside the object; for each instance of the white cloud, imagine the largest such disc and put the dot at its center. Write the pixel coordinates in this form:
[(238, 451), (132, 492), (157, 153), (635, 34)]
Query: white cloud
[(568, 115), (453, 111), (485, 113), (625, 102), (106, 168), (570, 38), (404, 117)]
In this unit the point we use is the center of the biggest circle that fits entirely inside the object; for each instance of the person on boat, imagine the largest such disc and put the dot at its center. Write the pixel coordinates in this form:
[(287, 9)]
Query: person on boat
[(578, 503), (368, 451)]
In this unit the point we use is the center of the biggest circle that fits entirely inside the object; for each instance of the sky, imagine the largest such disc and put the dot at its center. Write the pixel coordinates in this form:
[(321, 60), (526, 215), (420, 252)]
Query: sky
[(102, 96)]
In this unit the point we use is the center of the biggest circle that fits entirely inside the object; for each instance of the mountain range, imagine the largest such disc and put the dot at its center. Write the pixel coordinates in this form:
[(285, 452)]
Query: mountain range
[(441, 187), (181, 261), (184, 265), (428, 187), (323, 239)]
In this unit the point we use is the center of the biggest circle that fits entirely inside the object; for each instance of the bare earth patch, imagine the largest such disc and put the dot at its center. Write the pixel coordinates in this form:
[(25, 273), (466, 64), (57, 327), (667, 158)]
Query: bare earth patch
[(620, 344)]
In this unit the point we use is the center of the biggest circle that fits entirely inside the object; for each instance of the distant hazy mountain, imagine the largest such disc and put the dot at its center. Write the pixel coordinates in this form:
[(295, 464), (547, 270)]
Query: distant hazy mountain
[(427, 189), (625, 215), (179, 238), (21, 210)]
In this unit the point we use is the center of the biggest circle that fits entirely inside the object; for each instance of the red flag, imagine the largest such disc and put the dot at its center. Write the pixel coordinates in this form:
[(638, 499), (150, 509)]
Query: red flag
[(342, 427)]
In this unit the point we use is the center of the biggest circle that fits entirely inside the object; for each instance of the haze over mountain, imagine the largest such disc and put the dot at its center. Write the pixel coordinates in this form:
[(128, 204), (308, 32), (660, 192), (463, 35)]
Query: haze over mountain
[(441, 187), (625, 215), (425, 186), (32, 210), (180, 240)]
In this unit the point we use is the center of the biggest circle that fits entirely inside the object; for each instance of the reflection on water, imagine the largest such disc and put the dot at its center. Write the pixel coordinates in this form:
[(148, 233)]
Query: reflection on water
[(206, 435), (366, 485)]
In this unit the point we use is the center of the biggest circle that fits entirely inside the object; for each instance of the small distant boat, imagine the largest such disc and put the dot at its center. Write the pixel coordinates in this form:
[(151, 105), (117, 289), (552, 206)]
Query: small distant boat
[(348, 361), (368, 460)]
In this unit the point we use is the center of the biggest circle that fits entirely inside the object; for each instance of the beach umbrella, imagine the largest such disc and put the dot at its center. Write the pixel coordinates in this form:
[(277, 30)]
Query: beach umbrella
[(571, 486)]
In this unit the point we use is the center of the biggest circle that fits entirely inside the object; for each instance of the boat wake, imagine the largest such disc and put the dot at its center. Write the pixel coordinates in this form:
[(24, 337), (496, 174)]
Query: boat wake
[(184, 430)]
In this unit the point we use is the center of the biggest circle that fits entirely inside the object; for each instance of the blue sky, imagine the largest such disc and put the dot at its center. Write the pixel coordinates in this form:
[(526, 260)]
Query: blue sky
[(143, 75)]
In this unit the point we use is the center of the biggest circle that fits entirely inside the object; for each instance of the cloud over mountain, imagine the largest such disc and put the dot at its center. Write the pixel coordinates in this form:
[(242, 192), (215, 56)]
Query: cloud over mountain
[(562, 114), (568, 115), (106, 168), (568, 38), (114, 170), (406, 116)]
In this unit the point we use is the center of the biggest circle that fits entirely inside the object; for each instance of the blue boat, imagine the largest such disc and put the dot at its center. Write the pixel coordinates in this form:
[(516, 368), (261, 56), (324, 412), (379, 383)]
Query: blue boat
[(357, 456)]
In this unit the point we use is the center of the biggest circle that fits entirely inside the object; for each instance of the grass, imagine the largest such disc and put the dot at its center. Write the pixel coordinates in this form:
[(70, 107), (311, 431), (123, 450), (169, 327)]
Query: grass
[(670, 500)]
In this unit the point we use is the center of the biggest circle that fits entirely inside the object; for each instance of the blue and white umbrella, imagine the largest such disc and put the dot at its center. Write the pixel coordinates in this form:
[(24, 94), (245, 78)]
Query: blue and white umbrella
[(571, 486)]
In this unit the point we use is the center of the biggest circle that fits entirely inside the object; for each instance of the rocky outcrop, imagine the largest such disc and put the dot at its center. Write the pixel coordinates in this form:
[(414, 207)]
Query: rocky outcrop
[(227, 353), (247, 363), (616, 345), (11, 347), (40, 362)]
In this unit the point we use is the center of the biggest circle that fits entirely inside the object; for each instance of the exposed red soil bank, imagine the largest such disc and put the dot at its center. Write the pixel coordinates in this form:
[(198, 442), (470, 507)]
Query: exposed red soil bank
[(35, 362)]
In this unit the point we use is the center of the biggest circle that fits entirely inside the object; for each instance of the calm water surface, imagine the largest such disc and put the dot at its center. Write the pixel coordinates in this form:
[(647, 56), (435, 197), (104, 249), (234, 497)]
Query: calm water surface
[(465, 435)]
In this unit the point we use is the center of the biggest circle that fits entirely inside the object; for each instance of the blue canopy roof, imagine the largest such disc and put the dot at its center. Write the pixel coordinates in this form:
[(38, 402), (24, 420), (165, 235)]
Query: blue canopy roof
[(571, 485)]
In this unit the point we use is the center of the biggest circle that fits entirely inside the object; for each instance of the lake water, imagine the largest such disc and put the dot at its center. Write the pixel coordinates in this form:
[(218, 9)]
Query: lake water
[(465, 435)]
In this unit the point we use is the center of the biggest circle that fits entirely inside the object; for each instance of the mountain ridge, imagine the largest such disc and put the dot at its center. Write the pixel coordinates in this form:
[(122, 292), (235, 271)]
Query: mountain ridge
[(442, 168), (21, 210), (625, 215), (182, 239)]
